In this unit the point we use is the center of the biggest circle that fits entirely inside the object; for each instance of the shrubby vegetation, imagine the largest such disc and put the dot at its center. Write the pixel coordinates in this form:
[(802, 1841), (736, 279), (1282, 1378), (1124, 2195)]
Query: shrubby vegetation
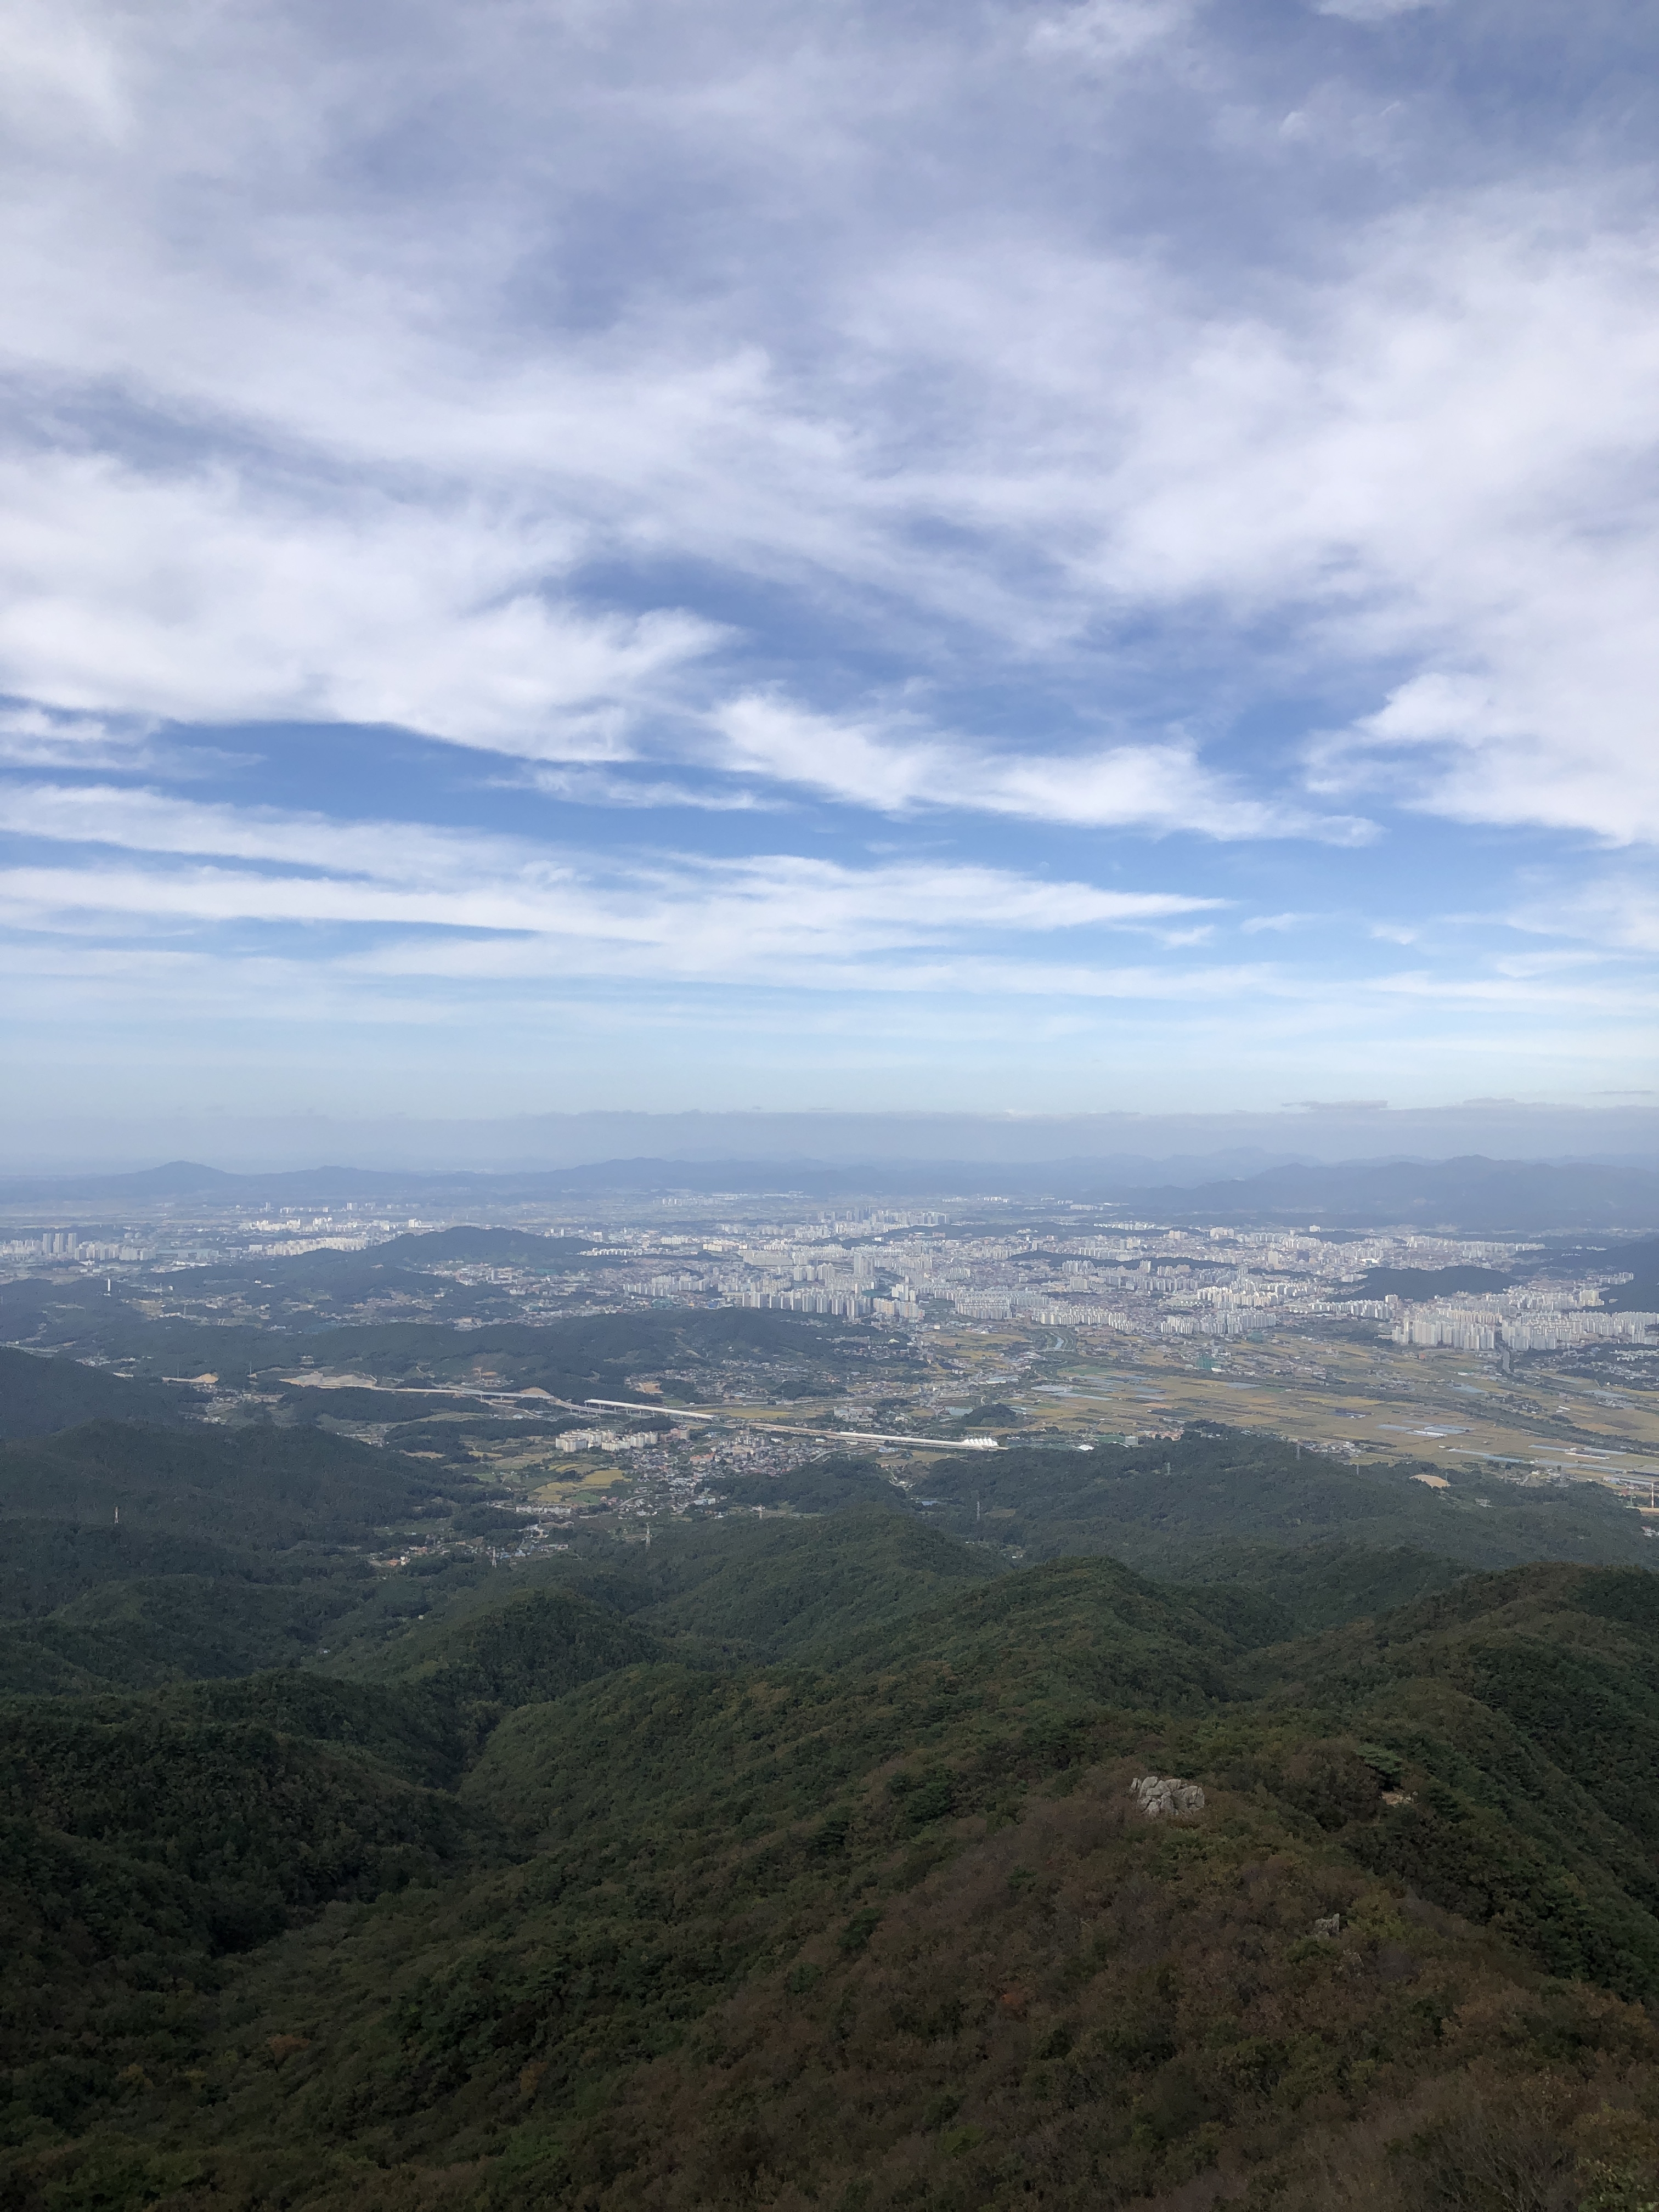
[(792, 1863)]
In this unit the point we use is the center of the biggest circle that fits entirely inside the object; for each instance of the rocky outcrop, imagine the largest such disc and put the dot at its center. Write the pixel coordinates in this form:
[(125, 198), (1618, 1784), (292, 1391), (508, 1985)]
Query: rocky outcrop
[(1158, 1794)]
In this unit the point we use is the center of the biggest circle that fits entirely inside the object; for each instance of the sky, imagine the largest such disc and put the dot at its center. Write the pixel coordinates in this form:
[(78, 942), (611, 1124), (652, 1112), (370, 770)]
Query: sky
[(1002, 557)]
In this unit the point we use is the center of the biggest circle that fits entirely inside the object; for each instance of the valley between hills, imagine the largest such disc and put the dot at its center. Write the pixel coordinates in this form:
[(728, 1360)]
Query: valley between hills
[(396, 1820)]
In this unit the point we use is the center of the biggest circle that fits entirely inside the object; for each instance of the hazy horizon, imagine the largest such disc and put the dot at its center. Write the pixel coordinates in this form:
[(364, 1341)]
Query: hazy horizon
[(1238, 1144)]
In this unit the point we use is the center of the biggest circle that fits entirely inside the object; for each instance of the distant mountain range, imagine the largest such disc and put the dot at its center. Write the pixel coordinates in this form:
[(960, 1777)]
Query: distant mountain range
[(1474, 1194)]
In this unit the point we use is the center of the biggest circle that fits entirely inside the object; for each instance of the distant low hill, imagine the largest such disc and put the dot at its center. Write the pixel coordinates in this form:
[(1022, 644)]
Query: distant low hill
[(487, 1246), (1641, 1258), (1430, 1282), (1472, 1192), (39, 1397), (194, 1179), (1194, 1509), (257, 1485)]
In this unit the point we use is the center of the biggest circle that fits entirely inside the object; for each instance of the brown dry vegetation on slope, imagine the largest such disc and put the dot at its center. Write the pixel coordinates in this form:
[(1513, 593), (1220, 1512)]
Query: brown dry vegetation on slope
[(1079, 2009), (889, 1932)]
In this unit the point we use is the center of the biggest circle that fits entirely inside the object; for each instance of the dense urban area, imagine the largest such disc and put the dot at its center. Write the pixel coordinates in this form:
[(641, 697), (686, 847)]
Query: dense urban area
[(958, 1327)]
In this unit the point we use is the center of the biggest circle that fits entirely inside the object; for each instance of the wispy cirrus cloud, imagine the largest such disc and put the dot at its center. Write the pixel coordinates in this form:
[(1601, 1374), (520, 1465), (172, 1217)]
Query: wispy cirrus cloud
[(378, 464), (691, 915), (36, 736), (204, 595), (1615, 913), (894, 768), (1372, 11), (603, 787), (784, 918), (1015, 436), (1107, 32), (1570, 749)]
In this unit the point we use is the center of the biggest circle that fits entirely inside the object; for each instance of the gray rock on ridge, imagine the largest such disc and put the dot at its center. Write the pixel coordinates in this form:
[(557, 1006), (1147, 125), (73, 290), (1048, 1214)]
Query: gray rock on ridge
[(1157, 1794)]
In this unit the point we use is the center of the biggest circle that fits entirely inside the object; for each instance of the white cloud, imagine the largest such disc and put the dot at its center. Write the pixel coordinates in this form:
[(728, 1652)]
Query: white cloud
[(1107, 32), (594, 787), (896, 768), (1617, 914), (1575, 747), (1564, 997), (751, 910), (159, 822), (298, 444), (1372, 11), (62, 70), (673, 914), (203, 596), (33, 736)]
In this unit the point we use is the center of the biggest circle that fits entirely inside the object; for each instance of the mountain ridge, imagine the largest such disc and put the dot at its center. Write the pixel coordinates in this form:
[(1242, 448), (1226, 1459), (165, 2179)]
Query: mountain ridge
[(1471, 1191)]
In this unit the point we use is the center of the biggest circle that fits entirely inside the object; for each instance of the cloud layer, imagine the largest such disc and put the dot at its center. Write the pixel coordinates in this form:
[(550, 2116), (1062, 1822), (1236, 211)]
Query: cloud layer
[(887, 491)]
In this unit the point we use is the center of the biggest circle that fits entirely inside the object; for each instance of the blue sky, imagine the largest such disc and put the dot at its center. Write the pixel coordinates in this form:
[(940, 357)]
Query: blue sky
[(1034, 557)]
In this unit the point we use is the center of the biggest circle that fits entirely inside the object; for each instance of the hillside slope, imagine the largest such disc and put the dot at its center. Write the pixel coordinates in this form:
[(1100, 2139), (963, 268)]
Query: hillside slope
[(1181, 1509), (39, 1396), (880, 1924)]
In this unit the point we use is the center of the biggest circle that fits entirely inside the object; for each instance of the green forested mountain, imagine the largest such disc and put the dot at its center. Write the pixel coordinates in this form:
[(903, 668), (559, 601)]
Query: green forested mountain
[(793, 1862), (585, 1353), (522, 1648), (1275, 1591), (1184, 1509), (768, 1590), (263, 1487), (132, 1555), (40, 1395)]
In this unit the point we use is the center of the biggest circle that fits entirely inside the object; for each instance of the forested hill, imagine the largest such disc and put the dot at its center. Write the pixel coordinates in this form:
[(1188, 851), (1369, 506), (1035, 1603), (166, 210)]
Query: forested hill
[(795, 1863), (132, 1555), (41, 1396), (1203, 1507), (136, 1554)]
